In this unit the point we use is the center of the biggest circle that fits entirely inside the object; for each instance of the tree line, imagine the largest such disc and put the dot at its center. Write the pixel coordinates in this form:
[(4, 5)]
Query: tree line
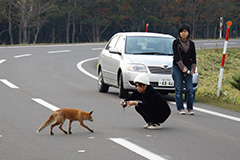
[(73, 21)]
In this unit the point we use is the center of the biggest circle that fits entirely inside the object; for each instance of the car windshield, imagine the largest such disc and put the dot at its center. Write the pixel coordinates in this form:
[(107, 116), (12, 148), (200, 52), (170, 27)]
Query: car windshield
[(149, 45)]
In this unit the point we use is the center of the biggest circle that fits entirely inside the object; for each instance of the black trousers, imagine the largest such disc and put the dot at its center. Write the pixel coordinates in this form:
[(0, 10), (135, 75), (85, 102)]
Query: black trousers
[(146, 116)]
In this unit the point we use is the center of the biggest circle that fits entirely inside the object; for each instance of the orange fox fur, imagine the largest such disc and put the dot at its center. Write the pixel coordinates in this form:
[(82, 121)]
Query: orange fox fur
[(67, 113)]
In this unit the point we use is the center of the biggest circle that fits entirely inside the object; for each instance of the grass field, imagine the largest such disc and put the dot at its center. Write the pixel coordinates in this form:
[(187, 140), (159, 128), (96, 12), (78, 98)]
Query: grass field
[(209, 62)]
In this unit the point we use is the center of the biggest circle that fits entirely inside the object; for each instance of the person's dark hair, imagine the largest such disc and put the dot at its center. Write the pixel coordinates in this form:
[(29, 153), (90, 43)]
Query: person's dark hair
[(182, 27), (140, 84)]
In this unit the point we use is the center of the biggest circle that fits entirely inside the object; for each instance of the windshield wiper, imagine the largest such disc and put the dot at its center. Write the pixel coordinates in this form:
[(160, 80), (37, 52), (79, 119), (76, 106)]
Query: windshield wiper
[(152, 53), (167, 54), (147, 53)]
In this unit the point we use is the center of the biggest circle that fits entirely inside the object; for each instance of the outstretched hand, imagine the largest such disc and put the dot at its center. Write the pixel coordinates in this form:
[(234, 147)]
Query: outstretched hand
[(129, 103)]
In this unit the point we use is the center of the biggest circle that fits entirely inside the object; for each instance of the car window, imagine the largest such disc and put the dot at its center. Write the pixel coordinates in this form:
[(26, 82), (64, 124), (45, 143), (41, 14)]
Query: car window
[(112, 42), (149, 45), (120, 43)]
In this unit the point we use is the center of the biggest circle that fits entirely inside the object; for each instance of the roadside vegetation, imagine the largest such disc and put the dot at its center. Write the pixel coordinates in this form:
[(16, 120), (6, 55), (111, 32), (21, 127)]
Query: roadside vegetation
[(209, 62)]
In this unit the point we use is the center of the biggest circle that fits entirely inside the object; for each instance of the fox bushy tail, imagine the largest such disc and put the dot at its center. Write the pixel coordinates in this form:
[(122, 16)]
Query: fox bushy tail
[(45, 124)]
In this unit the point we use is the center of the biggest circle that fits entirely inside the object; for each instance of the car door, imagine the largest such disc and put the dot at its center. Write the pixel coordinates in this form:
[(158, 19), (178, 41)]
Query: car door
[(107, 63), (116, 59)]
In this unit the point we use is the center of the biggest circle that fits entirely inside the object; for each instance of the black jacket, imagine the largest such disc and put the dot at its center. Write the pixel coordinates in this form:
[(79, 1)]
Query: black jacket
[(188, 58), (152, 103)]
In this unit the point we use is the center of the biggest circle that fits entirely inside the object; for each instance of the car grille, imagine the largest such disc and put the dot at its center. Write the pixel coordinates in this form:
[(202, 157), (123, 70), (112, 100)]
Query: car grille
[(160, 70)]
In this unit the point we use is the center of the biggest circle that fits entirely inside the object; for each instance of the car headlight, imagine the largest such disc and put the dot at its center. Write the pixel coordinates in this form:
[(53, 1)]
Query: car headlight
[(136, 68)]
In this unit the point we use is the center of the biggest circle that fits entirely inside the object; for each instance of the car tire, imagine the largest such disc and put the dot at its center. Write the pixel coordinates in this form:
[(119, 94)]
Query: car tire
[(122, 92), (102, 87)]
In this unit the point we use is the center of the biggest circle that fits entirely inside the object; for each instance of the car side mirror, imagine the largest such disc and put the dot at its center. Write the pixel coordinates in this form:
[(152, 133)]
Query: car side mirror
[(114, 50)]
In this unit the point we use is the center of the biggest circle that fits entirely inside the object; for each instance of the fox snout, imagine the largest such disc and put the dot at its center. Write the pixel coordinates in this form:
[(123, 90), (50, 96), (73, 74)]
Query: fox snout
[(91, 120)]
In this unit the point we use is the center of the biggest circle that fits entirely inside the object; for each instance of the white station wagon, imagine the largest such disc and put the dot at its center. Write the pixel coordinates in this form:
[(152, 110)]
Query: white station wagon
[(130, 53)]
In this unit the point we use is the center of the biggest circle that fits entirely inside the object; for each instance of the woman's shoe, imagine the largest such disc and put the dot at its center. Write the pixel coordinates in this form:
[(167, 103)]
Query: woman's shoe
[(190, 112), (146, 126), (154, 126), (182, 112)]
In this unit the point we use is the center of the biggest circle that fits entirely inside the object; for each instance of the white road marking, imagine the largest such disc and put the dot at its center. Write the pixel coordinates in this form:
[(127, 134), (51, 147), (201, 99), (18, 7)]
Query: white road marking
[(60, 51), (81, 151), (137, 149), (23, 55), (45, 104), (2, 60), (9, 84), (214, 113), (79, 66), (97, 49)]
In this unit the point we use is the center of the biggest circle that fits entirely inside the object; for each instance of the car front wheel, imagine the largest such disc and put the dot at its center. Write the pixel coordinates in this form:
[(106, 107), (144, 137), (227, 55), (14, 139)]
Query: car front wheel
[(122, 92), (102, 87)]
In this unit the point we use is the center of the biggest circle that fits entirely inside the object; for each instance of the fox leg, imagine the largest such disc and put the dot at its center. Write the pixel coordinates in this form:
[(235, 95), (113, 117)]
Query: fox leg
[(82, 124), (59, 120), (60, 127), (53, 125), (69, 127)]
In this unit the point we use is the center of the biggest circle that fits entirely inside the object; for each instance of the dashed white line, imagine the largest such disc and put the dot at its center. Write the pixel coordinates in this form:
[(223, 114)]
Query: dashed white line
[(23, 55), (2, 60), (97, 49), (60, 51), (137, 149), (9, 84), (45, 104)]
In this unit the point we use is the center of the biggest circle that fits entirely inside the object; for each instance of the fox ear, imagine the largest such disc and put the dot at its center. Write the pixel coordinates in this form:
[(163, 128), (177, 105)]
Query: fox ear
[(91, 112)]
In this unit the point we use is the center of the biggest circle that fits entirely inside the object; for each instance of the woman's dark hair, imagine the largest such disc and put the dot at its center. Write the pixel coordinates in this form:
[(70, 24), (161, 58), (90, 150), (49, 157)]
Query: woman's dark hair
[(140, 84), (182, 27)]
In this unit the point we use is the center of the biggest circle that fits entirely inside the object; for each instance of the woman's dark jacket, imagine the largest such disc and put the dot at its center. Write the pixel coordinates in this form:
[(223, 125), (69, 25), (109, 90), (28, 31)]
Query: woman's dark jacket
[(188, 58), (152, 103)]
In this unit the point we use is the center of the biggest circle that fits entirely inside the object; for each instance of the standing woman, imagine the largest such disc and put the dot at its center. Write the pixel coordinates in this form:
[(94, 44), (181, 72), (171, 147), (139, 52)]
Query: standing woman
[(184, 65)]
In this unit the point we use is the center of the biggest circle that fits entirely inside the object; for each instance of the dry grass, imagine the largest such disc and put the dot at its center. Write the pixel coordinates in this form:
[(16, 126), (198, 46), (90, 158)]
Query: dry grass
[(209, 62)]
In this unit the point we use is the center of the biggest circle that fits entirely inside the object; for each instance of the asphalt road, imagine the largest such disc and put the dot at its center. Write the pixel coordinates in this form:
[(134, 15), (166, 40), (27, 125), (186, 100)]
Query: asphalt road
[(65, 76)]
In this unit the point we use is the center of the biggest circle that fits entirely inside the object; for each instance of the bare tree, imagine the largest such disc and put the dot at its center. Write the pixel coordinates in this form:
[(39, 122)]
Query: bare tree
[(98, 18), (24, 7), (7, 14), (41, 13), (31, 15)]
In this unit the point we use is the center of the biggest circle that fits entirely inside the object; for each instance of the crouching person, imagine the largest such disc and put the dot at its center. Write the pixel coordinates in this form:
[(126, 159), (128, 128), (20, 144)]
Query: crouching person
[(148, 103)]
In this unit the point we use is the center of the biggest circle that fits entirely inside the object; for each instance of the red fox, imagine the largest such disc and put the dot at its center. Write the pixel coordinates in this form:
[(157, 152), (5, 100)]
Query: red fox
[(67, 113)]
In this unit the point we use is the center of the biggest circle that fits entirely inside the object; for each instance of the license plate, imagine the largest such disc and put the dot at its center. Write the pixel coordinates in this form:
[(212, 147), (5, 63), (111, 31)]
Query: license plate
[(166, 82)]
